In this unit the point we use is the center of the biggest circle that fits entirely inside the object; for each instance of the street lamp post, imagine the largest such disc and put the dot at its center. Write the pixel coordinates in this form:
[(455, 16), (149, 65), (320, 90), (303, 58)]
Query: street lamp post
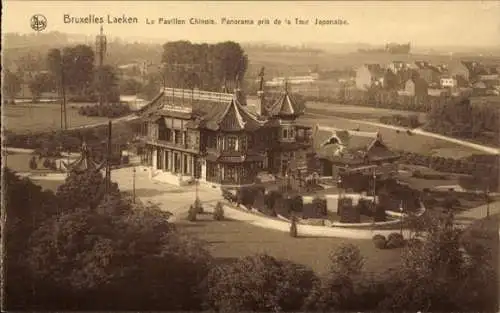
[(487, 196), (69, 152), (133, 184), (196, 178), (402, 216)]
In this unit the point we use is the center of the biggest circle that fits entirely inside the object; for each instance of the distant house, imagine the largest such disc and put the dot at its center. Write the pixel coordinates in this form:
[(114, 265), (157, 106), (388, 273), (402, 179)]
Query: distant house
[(369, 75), (343, 151), (461, 71), (484, 77), (415, 87), (461, 92), (431, 74), (480, 88), (396, 66), (448, 82)]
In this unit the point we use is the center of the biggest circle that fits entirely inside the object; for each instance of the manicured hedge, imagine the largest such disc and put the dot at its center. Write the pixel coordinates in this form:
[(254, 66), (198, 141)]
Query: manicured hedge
[(316, 209), (410, 121), (395, 240), (112, 110), (379, 241)]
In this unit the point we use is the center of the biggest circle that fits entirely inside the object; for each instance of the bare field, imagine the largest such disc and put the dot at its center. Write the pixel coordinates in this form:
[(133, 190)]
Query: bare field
[(23, 118), (399, 141), (359, 112), (234, 239)]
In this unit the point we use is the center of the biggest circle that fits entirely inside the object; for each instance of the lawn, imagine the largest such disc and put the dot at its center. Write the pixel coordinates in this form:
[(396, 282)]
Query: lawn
[(22, 118), (235, 239), (398, 141), (357, 112)]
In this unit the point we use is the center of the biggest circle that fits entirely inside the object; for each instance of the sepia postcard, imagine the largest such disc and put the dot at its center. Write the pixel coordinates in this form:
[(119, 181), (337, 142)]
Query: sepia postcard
[(250, 156)]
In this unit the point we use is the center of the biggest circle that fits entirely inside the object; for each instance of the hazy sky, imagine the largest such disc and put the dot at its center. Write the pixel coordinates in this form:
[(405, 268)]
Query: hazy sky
[(462, 23)]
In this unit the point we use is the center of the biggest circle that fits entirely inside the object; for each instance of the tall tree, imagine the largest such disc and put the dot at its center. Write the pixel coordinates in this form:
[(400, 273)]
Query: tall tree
[(107, 82), (54, 65), (11, 85), (204, 66), (78, 64), (39, 83)]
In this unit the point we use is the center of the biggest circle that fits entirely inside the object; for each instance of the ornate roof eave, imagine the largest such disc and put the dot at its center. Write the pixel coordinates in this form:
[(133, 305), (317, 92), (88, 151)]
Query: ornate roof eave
[(84, 162)]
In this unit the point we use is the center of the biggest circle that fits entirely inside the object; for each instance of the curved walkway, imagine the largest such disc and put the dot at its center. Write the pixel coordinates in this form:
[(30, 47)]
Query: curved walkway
[(177, 200), (418, 131), (303, 230)]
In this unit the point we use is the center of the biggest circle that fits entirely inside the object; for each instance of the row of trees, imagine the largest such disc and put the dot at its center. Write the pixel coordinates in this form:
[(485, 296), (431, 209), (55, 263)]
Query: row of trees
[(203, 66), (482, 172), (464, 120), (72, 67), (83, 249), (411, 121), (111, 110)]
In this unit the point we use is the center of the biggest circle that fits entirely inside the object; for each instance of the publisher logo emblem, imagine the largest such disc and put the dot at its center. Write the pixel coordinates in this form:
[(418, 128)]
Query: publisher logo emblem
[(38, 22)]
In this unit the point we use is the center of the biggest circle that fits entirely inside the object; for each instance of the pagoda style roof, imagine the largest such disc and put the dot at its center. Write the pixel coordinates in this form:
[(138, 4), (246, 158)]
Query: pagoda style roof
[(84, 162), (210, 110), (350, 147), (285, 105)]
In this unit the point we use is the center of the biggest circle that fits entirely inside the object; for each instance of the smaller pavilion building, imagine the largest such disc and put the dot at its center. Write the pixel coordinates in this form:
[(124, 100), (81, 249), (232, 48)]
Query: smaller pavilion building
[(343, 152)]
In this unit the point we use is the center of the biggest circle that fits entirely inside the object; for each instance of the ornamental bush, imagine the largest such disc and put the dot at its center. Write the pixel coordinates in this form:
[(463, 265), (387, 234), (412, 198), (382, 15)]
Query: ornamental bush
[(192, 213), (218, 212), (395, 240), (293, 227), (32, 164), (379, 241), (198, 206)]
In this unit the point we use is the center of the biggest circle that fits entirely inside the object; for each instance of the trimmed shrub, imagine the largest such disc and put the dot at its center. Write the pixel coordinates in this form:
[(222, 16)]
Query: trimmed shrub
[(395, 240), (379, 241), (198, 206), (366, 207), (414, 242), (296, 204), (125, 159), (247, 195), (380, 215), (47, 163), (218, 212), (192, 213), (350, 213), (259, 202), (293, 227), (33, 164), (317, 209), (271, 197), (281, 207)]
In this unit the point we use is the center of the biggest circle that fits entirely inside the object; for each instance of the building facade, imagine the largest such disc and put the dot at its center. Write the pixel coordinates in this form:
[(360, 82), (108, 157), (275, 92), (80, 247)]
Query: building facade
[(341, 152), (369, 75), (216, 138)]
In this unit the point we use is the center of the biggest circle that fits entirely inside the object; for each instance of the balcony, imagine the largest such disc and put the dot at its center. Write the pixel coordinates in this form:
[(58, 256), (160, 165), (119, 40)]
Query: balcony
[(168, 144)]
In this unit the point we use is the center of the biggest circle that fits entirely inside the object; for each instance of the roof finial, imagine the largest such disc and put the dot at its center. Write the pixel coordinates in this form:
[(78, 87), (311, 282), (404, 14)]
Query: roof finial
[(286, 84)]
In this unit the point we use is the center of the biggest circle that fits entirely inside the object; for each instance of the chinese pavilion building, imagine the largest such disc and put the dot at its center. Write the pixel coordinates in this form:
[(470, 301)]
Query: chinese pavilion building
[(216, 138), (341, 151)]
